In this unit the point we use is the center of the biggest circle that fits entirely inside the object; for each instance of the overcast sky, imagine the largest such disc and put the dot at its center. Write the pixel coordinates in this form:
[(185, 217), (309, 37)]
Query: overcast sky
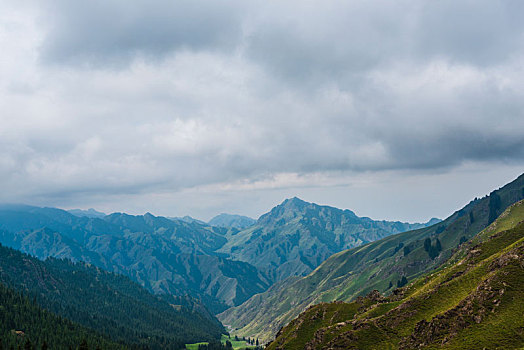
[(394, 109)]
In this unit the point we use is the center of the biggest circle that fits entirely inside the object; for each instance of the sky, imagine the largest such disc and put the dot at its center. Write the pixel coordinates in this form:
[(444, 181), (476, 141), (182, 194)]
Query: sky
[(399, 110)]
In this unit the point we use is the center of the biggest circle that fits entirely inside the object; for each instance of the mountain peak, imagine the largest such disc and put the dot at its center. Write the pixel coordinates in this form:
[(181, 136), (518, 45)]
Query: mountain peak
[(295, 199), (294, 202), (90, 213), (187, 219), (231, 220)]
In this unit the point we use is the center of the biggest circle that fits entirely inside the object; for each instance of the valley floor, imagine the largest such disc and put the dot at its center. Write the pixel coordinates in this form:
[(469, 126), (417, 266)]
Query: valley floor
[(237, 344)]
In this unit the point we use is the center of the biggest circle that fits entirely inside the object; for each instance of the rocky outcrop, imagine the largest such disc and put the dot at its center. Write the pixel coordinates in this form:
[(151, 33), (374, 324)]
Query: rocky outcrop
[(484, 301)]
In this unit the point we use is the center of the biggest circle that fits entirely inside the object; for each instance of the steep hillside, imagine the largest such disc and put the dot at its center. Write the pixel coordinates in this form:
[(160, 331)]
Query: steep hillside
[(165, 256), (108, 303), (296, 236), (235, 221), (381, 265), (474, 301), (24, 323)]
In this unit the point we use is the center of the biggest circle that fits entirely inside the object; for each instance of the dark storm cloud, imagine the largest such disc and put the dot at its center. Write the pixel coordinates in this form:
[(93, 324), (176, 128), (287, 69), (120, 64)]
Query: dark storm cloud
[(101, 32), (478, 32), (340, 42)]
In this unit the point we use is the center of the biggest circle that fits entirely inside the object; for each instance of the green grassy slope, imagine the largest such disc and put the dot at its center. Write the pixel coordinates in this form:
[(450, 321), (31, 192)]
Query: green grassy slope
[(377, 265), (474, 301)]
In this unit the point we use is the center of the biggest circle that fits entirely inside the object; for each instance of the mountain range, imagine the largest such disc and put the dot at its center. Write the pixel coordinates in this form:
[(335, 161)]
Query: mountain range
[(239, 222), (179, 257), (165, 256), (90, 213), (296, 236), (473, 301), (380, 265), (312, 276)]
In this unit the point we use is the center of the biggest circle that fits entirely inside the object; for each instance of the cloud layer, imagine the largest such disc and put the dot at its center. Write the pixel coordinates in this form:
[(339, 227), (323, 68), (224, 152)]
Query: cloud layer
[(117, 99)]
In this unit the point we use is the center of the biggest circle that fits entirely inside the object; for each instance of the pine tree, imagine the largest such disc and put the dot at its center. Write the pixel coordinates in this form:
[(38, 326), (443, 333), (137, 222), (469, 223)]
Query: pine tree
[(494, 206), (427, 244), (83, 345), (406, 250), (404, 281)]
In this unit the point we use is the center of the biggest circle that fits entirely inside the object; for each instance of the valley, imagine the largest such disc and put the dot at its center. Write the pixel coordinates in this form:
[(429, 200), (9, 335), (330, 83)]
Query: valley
[(278, 175), (312, 276)]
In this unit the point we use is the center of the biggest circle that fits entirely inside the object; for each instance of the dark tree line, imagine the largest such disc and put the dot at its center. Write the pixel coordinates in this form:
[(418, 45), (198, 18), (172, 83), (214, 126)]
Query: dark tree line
[(432, 250), (402, 282), (494, 206), (110, 304), (24, 325)]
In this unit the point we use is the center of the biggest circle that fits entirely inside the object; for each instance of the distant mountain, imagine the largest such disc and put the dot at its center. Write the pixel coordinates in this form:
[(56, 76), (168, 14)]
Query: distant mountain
[(90, 213), (474, 302), (110, 304), (235, 221), (378, 265), (296, 236), (188, 219), (180, 256), (431, 222), (163, 255), (188, 236)]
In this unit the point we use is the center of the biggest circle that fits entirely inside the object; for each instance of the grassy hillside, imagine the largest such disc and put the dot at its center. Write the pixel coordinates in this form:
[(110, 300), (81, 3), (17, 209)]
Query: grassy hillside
[(296, 236), (474, 301), (380, 265)]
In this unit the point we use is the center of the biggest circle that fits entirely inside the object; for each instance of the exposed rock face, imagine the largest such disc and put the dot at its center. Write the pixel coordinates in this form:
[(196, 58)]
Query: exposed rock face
[(296, 236)]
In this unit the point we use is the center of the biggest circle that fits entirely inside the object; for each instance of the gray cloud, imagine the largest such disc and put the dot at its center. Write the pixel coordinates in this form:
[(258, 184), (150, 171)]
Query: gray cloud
[(114, 32), (481, 33), (117, 100)]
